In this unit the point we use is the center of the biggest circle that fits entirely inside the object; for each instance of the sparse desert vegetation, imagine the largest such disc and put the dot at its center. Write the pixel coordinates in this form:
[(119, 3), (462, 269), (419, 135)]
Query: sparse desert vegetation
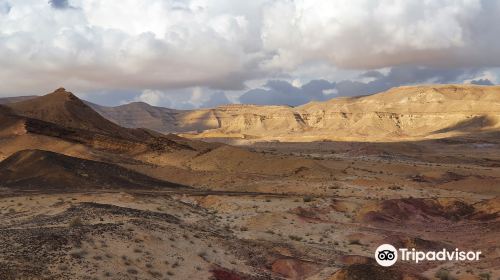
[(110, 202)]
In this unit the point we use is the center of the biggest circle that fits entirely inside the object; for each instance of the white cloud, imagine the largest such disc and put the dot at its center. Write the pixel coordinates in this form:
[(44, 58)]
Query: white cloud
[(121, 44), (172, 44), (152, 97), (374, 34)]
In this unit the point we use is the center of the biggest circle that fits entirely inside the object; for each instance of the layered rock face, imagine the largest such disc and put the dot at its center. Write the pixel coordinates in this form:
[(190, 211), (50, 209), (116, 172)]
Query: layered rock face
[(413, 111)]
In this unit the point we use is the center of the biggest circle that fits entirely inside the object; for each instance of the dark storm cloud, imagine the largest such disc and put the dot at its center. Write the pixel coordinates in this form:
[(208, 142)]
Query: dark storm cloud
[(402, 75), (482, 82), (216, 99), (283, 93), (59, 4)]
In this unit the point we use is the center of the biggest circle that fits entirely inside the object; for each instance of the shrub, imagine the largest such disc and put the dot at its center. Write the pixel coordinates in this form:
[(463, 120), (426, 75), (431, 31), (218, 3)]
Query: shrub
[(78, 253), (202, 255), (485, 276), (295, 237), (308, 198), (76, 222), (132, 271), (354, 242), (444, 274)]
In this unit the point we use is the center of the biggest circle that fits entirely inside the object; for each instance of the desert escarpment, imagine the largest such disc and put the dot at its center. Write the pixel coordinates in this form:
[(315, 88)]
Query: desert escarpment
[(409, 112), (404, 112)]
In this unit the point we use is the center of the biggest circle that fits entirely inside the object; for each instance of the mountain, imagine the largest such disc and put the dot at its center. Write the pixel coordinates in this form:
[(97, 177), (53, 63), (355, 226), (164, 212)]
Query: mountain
[(62, 115), (59, 122), (36, 168), (65, 109), (7, 100), (411, 112), (164, 120), (53, 139)]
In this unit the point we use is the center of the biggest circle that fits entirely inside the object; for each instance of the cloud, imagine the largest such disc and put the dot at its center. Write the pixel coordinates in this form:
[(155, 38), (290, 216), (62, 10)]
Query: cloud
[(294, 92), (403, 75), (125, 45), (152, 97), (482, 82), (279, 92), (215, 99), (189, 98), (276, 92), (374, 34), (133, 45), (59, 4), (4, 7)]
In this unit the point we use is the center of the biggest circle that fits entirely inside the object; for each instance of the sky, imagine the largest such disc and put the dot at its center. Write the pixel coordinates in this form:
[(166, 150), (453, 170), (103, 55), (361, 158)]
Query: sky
[(202, 53)]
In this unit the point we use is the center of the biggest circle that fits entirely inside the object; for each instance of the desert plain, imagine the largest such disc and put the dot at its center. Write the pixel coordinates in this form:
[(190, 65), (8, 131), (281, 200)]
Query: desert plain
[(250, 192)]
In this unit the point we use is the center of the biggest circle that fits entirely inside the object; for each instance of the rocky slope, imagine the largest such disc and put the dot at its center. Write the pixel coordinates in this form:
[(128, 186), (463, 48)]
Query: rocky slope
[(165, 120), (60, 122), (405, 112), (410, 112), (33, 169)]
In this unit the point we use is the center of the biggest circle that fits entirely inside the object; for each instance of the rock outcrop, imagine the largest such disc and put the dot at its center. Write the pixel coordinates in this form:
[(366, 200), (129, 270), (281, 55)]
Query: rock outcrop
[(404, 112)]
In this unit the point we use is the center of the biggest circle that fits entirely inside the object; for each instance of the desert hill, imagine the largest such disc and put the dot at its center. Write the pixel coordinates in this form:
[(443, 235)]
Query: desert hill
[(7, 100), (65, 109), (164, 120), (82, 196), (132, 115), (408, 112), (36, 168), (62, 115), (58, 122), (412, 112)]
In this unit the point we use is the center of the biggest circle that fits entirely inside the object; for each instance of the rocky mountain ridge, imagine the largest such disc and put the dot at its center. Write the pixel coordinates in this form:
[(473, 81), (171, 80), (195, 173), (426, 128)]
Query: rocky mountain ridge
[(409, 112)]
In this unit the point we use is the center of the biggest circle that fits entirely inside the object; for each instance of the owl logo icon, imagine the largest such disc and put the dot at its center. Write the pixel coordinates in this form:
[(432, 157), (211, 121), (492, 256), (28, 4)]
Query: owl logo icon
[(386, 255)]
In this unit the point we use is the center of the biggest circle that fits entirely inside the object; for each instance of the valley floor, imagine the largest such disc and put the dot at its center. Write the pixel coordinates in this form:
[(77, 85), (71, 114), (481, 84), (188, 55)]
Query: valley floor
[(234, 225)]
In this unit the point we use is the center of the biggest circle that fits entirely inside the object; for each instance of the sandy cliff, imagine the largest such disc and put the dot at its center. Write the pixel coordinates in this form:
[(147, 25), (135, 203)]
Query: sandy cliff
[(404, 112)]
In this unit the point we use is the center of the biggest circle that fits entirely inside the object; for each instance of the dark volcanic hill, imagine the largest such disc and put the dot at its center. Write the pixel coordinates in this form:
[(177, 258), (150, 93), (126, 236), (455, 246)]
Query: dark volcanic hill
[(42, 169)]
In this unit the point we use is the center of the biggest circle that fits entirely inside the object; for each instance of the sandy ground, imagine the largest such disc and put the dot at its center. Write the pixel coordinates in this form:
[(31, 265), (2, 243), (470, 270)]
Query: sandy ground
[(306, 225), (264, 210)]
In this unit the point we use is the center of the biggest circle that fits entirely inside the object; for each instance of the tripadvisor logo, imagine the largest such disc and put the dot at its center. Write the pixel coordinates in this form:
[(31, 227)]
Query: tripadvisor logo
[(388, 255)]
